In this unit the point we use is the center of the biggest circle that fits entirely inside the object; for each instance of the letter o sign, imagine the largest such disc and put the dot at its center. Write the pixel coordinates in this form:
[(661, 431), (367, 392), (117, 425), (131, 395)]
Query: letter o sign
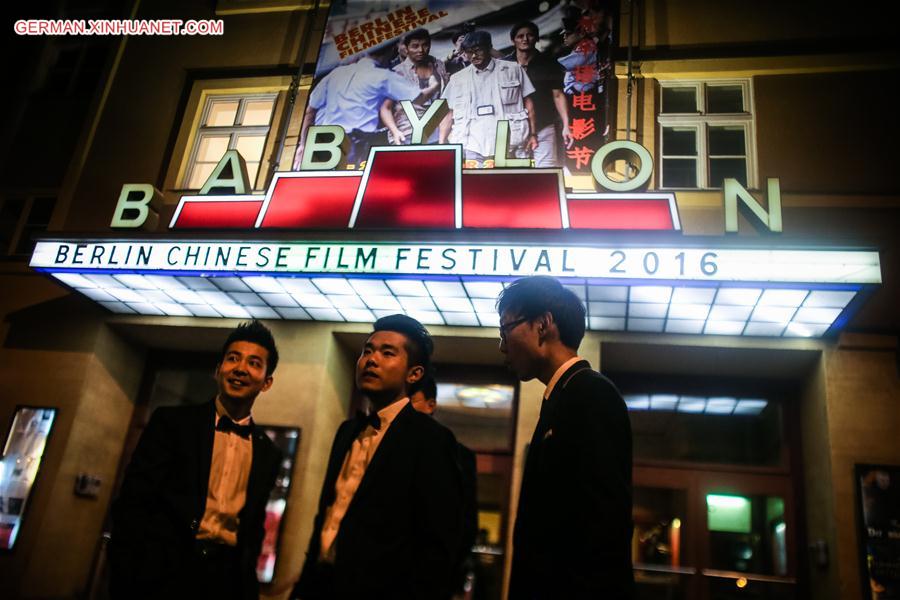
[(635, 182)]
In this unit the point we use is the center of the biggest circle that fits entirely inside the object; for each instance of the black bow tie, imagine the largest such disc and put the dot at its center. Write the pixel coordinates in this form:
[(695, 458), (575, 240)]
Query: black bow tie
[(226, 424), (370, 419)]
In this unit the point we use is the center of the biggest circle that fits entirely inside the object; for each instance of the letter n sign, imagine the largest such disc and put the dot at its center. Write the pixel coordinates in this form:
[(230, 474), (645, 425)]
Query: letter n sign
[(734, 191)]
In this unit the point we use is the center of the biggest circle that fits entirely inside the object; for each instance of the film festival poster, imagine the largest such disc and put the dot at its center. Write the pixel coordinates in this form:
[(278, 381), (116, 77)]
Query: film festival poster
[(574, 38), (878, 495)]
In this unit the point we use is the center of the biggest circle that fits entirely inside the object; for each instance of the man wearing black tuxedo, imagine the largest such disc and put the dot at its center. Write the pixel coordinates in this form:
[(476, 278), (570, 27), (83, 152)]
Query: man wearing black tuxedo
[(572, 537), (389, 510), (189, 519)]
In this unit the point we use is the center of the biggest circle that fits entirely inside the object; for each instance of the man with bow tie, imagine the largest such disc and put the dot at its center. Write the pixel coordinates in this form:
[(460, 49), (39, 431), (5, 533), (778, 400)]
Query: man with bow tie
[(388, 523), (572, 537), (189, 520)]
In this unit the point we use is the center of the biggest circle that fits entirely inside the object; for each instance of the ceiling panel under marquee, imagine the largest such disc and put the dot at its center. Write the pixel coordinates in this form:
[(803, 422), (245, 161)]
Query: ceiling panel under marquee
[(798, 311), (716, 405)]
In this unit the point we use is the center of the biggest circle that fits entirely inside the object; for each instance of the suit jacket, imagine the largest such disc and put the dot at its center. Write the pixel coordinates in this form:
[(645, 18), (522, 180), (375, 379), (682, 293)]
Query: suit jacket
[(400, 535), (572, 537), (163, 498)]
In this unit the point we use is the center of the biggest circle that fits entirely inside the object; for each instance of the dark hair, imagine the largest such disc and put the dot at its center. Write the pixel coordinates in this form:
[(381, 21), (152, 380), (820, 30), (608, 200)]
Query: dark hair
[(530, 25), (418, 341), (530, 297), (477, 39), (383, 51), (256, 333), (426, 385), (417, 34), (571, 18)]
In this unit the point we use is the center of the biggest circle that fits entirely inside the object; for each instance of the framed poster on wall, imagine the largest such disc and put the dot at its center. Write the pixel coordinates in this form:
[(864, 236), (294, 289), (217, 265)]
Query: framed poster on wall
[(878, 498), (288, 440), (22, 454)]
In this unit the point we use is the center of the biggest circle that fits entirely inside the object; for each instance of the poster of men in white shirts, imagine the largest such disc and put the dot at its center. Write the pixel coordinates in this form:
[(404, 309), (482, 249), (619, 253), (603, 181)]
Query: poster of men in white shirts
[(457, 72)]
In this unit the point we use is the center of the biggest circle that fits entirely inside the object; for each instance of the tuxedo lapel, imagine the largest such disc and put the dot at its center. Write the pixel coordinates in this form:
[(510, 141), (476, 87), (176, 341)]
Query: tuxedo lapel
[(551, 404), (534, 474), (257, 463), (559, 388), (392, 437), (206, 427), (581, 365), (348, 432)]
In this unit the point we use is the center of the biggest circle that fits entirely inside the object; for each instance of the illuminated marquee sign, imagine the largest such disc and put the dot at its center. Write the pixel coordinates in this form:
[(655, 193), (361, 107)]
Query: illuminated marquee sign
[(488, 260), (421, 187), (424, 187), (688, 290), (693, 287)]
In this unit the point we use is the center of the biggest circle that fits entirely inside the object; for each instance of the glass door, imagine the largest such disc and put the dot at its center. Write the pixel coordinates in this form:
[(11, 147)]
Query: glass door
[(663, 549), (750, 541), (713, 535)]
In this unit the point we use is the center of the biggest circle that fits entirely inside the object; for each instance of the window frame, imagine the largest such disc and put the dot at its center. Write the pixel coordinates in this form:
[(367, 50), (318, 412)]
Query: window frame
[(234, 131), (187, 125), (701, 120), (697, 157)]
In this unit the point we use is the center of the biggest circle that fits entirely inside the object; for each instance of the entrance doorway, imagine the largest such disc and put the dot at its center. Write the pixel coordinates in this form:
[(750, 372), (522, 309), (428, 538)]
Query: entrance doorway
[(171, 378), (479, 405), (717, 495), (713, 535), (714, 500)]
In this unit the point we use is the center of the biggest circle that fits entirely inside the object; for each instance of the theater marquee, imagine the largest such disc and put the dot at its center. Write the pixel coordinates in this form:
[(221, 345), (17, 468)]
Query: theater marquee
[(483, 260), (686, 289)]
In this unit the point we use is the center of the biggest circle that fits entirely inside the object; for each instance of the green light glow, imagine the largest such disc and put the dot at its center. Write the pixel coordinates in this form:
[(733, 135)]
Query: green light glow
[(730, 514)]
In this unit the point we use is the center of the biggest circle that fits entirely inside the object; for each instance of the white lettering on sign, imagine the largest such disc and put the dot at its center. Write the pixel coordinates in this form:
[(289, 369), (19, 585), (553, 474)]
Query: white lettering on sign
[(229, 176), (422, 128), (734, 191), (336, 148), (137, 208), (644, 160), (645, 263)]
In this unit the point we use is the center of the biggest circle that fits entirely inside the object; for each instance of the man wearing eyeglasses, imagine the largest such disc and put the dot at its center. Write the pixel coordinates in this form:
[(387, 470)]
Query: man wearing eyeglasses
[(480, 95), (572, 537)]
